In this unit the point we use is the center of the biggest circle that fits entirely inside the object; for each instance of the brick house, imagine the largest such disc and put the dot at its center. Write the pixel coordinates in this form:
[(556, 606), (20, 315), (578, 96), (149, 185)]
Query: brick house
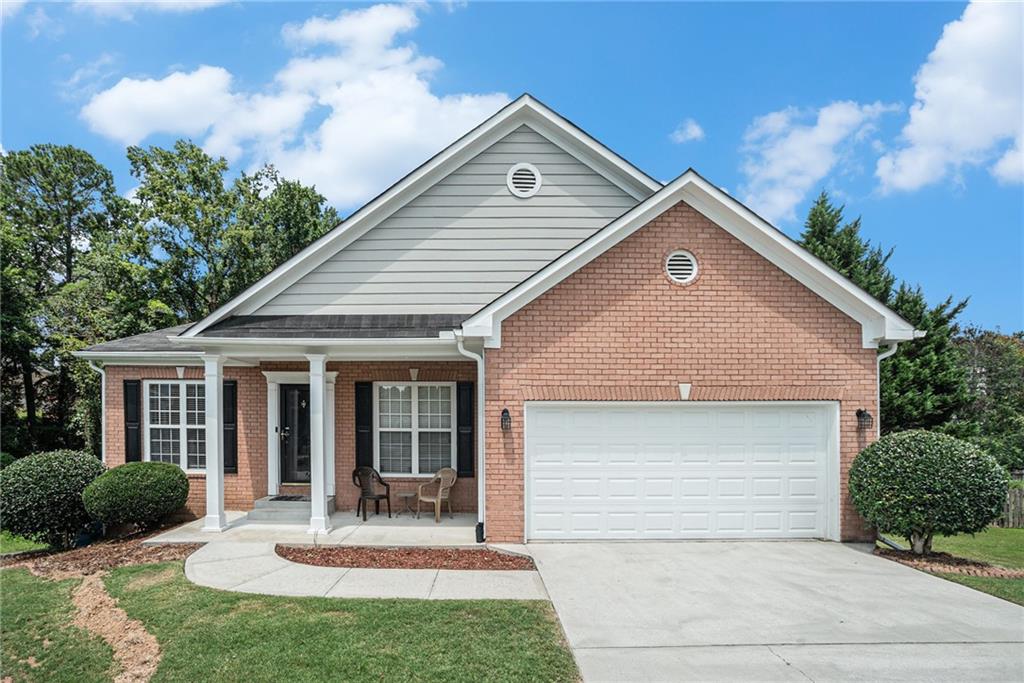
[(598, 355)]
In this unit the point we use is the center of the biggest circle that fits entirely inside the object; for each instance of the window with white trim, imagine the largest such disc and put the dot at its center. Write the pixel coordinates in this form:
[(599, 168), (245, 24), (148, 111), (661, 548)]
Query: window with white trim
[(175, 423), (414, 425)]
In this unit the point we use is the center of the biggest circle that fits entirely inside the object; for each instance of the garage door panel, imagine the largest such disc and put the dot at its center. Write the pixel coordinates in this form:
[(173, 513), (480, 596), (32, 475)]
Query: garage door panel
[(752, 471)]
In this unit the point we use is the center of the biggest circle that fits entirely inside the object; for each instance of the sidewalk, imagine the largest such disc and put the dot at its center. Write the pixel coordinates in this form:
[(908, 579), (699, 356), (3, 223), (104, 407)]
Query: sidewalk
[(254, 567)]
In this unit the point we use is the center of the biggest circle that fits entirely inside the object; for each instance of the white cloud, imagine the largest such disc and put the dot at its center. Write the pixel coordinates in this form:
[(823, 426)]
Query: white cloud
[(687, 131), (124, 10), (968, 102), (40, 23), (87, 79), (377, 116), (8, 8), (788, 152)]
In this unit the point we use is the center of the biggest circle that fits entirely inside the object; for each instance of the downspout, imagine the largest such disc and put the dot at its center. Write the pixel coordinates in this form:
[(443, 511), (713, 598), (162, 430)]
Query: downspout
[(103, 409), (878, 383), (481, 491)]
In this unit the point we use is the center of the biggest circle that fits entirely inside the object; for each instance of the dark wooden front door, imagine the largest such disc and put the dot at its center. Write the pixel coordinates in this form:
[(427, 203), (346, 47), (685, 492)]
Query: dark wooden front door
[(295, 433)]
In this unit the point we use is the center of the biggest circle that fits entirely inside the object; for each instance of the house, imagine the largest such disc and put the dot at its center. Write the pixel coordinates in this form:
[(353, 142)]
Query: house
[(600, 356)]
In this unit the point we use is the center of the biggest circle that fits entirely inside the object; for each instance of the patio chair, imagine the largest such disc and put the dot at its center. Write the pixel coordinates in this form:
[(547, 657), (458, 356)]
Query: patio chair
[(444, 479), (366, 478)]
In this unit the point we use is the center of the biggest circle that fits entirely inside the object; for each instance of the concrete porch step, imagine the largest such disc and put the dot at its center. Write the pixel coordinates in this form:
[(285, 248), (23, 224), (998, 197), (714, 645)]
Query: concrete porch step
[(292, 509)]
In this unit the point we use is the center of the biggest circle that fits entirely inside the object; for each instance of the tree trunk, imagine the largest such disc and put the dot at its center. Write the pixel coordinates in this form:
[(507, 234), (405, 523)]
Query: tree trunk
[(921, 543), (29, 387)]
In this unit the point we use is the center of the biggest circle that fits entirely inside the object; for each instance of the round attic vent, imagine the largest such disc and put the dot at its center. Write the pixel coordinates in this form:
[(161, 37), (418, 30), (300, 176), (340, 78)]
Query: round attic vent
[(523, 180), (681, 267)]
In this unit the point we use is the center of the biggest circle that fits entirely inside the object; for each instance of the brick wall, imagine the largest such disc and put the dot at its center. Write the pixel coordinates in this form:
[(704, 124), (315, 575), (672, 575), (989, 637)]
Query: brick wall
[(619, 329), (250, 483)]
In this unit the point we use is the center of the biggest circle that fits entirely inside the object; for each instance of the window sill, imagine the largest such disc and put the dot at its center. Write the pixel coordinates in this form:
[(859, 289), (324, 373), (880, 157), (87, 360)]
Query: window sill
[(406, 475)]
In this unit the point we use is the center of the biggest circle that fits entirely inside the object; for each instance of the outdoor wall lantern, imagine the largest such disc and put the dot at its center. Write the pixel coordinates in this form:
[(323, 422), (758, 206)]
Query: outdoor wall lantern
[(864, 419), (506, 420)]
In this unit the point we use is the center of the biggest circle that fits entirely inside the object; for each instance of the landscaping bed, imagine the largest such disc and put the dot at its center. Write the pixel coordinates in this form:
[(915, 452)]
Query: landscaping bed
[(98, 557), (405, 558), (944, 563)]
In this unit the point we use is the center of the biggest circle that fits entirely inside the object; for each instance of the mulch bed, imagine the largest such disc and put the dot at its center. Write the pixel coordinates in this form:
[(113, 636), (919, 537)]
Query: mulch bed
[(98, 557), (944, 563), (404, 558)]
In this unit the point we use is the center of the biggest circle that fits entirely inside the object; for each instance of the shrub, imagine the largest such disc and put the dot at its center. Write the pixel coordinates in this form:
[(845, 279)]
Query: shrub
[(918, 484), (41, 495), (5, 460), (140, 493)]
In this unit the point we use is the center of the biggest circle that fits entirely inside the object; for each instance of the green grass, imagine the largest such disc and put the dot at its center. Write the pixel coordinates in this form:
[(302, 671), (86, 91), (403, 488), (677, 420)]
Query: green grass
[(207, 634), (39, 641), (9, 543), (1007, 589), (1004, 547)]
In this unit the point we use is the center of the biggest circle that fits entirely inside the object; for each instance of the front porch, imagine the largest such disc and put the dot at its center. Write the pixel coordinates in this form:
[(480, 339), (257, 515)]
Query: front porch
[(346, 529)]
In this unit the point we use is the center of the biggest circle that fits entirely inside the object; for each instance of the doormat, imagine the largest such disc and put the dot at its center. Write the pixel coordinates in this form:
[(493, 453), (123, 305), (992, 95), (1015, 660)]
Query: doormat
[(291, 497)]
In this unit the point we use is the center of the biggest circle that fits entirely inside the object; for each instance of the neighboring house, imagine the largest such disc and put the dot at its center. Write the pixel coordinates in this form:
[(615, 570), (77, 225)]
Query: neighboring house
[(600, 356)]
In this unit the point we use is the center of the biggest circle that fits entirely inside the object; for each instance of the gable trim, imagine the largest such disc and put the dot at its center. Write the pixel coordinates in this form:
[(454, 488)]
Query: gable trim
[(524, 110), (879, 323)]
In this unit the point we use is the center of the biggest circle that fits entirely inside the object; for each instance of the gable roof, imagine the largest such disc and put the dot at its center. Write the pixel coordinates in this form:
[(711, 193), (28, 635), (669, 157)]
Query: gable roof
[(879, 323), (524, 110)]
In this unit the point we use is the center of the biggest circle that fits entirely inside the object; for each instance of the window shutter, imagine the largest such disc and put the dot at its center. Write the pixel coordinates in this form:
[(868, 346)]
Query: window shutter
[(364, 424), (464, 421), (132, 420), (230, 389)]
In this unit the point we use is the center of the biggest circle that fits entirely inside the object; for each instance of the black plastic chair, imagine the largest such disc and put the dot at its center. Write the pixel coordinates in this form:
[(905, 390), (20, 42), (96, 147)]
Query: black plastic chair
[(365, 478)]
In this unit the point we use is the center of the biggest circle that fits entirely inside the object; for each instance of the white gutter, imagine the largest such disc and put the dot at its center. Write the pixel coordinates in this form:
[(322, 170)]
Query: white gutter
[(481, 489), (878, 383), (103, 409)]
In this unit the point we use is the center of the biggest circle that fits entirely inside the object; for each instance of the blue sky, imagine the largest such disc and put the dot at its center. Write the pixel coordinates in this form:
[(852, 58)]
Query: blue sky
[(910, 114)]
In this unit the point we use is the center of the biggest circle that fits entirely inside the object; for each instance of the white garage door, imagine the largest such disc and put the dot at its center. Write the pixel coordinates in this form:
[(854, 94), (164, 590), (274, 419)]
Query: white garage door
[(680, 470)]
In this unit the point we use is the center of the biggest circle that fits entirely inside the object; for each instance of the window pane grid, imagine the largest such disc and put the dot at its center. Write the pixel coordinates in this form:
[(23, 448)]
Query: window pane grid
[(176, 417), (414, 428)]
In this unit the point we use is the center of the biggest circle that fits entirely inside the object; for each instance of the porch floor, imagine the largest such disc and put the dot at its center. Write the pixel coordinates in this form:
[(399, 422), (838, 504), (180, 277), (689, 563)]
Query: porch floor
[(347, 529)]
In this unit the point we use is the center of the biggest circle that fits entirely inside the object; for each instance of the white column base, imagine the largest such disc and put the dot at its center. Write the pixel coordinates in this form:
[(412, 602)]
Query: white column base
[(215, 523), (319, 525)]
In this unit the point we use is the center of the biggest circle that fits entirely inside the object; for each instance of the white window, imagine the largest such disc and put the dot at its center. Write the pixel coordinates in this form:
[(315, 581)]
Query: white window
[(175, 423), (414, 424)]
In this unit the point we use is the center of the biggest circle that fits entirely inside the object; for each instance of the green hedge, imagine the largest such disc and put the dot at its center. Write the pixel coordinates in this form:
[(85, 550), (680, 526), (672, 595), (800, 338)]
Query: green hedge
[(140, 493), (41, 496), (917, 484)]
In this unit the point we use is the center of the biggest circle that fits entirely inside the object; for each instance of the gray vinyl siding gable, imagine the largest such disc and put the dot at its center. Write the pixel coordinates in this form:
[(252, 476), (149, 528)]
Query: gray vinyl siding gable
[(464, 241)]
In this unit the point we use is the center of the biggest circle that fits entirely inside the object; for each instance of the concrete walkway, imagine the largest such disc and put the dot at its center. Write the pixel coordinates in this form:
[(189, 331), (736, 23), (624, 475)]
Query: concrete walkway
[(782, 611), (254, 567)]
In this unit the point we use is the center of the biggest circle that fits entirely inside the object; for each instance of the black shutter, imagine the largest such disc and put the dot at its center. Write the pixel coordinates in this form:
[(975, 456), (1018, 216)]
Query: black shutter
[(230, 389), (464, 417), (132, 420), (364, 424)]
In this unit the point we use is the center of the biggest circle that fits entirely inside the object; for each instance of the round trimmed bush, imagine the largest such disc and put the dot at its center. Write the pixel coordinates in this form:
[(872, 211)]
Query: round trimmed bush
[(918, 484), (140, 493), (41, 495)]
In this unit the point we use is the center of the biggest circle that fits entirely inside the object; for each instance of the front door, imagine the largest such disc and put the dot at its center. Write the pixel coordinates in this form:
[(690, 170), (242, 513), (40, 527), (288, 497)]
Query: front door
[(295, 445)]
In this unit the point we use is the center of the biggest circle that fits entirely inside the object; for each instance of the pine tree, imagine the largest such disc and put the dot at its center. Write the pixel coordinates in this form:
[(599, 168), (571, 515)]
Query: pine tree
[(924, 384)]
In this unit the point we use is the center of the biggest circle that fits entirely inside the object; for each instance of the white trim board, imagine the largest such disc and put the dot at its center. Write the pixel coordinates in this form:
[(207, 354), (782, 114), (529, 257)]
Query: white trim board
[(879, 324), (524, 110)]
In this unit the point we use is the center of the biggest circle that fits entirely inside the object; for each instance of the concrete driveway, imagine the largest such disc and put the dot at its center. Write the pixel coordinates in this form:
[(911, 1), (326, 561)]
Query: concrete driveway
[(772, 611)]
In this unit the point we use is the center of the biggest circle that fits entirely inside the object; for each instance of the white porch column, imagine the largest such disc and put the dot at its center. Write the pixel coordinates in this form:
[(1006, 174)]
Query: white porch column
[(273, 438), (319, 520), (215, 519), (329, 435)]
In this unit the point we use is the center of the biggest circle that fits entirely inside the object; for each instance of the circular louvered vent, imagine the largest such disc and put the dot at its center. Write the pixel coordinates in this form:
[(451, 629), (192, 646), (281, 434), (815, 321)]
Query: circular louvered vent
[(681, 267), (523, 180)]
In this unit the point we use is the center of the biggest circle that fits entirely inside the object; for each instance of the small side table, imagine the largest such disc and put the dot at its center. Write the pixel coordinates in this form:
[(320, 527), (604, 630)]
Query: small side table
[(407, 497)]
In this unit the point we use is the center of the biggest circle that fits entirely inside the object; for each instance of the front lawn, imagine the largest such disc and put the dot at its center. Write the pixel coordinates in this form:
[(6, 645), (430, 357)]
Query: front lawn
[(995, 545), (39, 641), (9, 543), (1007, 589), (206, 634)]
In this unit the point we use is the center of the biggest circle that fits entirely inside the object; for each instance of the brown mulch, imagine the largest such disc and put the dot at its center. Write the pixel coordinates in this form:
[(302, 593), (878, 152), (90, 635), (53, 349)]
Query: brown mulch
[(98, 557), (404, 558), (135, 648), (944, 563)]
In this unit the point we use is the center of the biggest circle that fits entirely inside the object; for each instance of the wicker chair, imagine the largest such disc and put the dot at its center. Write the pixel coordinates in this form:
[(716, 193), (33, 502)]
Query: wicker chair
[(444, 479), (365, 478)]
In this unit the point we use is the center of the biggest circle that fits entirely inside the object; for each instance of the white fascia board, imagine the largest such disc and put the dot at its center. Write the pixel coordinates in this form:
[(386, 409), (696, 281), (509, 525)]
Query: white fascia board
[(522, 110), (160, 358), (879, 323)]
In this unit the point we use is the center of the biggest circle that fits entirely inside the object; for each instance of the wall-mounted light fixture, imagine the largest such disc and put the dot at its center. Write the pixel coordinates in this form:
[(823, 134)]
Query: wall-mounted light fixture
[(864, 419), (506, 420)]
